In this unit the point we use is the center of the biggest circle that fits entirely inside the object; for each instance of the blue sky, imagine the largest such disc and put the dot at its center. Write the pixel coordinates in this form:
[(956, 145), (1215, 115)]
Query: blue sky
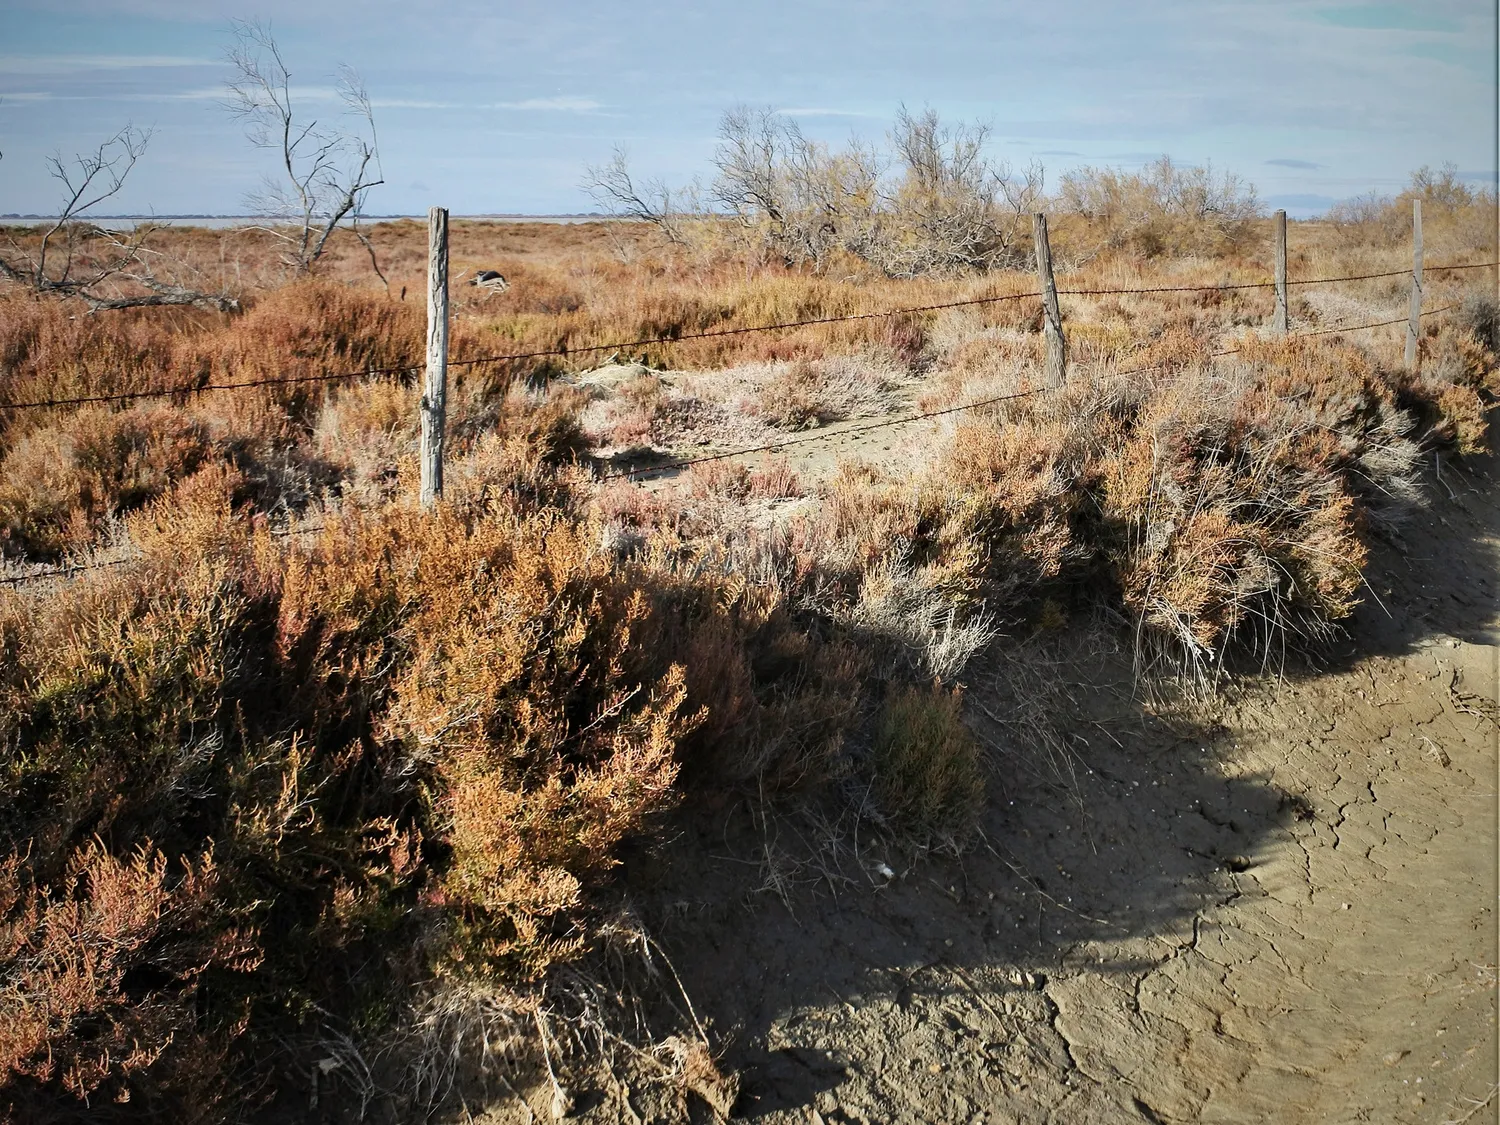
[(498, 105)]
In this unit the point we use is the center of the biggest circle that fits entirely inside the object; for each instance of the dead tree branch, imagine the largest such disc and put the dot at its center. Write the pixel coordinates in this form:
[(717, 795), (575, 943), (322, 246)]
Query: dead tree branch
[(326, 172), (102, 269), (611, 186)]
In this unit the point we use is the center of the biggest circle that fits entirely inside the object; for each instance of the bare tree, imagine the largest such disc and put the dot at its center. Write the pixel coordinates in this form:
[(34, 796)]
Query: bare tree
[(1369, 208), (750, 159), (947, 208), (76, 258), (954, 208), (610, 185), (800, 198), (326, 172), (1163, 207)]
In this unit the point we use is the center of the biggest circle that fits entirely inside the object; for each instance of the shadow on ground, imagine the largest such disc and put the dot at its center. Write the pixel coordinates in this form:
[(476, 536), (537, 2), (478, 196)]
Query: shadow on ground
[(1436, 574), (1124, 830), (1111, 828)]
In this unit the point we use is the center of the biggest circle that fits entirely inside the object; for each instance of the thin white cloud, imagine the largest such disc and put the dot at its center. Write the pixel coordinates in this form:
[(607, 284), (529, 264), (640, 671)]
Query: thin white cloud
[(202, 94), (60, 64), (205, 94), (820, 111), (412, 103), (560, 104), (309, 93), (563, 105)]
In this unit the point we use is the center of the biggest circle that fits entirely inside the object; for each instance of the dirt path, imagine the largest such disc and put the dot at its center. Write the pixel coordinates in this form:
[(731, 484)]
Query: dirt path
[(1281, 910)]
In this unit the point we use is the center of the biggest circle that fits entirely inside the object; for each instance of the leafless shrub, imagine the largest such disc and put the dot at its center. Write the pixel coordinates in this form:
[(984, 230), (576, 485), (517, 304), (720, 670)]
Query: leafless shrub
[(1163, 208), (1359, 210), (949, 207), (1480, 317), (588, 1024), (916, 609), (106, 270), (1455, 216), (954, 209), (791, 399), (459, 1029), (651, 201), (1385, 468), (775, 480), (796, 197)]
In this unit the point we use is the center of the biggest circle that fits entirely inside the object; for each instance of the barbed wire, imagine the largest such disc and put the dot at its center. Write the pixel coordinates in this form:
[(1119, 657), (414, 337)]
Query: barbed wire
[(1375, 324), (1267, 284), (564, 351), (831, 434), (771, 447), (73, 568), (59, 571), (170, 392)]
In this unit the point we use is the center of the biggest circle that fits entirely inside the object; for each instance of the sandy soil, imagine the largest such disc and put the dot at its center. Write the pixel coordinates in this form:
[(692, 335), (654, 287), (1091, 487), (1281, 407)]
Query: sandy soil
[(1280, 906)]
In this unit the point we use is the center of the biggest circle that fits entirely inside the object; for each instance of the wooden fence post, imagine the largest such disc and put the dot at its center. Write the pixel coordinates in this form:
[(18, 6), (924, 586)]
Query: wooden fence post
[(1414, 321), (1279, 320), (434, 404), (1056, 370)]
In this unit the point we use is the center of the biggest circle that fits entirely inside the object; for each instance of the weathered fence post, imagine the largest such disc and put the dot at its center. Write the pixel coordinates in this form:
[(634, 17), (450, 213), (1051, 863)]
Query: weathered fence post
[(1414, 320), (434, 404), (1056, 371), (1279, 320)]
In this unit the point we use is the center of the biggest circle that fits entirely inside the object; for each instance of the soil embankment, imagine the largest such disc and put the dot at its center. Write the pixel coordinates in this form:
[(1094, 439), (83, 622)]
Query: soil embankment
[(1277, 907)]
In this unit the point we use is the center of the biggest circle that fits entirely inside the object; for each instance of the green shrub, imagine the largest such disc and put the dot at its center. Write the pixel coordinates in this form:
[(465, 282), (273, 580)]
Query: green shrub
[(926, 764)]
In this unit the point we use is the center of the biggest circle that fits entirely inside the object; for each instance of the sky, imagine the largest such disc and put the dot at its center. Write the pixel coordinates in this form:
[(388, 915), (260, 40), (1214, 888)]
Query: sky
[(498, 106)]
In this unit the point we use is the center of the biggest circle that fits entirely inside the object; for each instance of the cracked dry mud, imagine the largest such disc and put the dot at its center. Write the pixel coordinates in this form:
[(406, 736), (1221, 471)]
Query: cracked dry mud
[(1280, 907)]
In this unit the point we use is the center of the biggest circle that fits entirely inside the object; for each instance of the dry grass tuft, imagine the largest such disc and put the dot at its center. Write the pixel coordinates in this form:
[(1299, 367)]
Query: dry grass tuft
[(926, 764)]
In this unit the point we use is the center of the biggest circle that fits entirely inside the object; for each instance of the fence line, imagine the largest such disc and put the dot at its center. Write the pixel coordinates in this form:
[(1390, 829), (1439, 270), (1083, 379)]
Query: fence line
[(1055, 344), (1375, 324), (1280, 320), (715, 333), (1412, 357), (171, 392), (407, 368), (74, 568), (686, 462), (432, 409), (1264, 284), (1049, 294), (671, 466)]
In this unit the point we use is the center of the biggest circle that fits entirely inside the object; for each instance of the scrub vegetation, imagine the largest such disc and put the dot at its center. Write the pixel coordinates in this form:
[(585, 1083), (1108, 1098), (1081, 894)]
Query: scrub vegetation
[(296, 771)]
